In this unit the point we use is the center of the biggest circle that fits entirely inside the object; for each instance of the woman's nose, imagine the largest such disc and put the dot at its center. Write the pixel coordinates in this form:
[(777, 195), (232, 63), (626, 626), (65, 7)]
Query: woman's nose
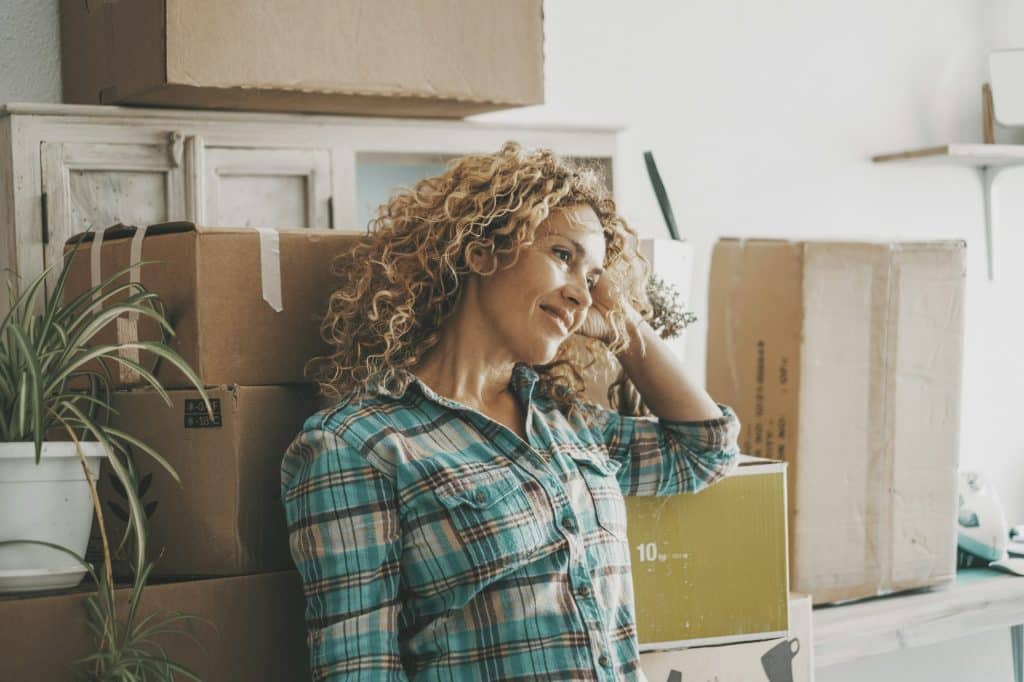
[(578, 293)]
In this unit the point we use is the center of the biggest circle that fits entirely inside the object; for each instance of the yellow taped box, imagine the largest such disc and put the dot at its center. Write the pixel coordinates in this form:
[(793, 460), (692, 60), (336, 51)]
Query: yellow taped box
[(785, 659), (845, 360), (711, 568)]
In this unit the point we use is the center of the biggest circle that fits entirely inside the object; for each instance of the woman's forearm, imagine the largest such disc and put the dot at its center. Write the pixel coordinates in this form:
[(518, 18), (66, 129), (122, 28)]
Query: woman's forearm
[(662, 380)]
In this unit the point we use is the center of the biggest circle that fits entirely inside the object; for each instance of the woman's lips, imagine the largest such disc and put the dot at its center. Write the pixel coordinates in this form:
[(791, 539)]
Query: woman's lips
[(563, 323)]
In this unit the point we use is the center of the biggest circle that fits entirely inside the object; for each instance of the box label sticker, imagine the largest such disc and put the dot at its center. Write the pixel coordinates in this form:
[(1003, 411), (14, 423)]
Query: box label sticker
[(196, 416)]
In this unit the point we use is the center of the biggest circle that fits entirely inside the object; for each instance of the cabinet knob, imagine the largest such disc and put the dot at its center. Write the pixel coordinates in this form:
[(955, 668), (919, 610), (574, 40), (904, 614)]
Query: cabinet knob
[(176, 147)]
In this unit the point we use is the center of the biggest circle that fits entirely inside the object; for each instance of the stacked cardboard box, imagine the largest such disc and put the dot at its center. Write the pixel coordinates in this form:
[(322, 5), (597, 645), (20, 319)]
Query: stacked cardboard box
[(251, 628), (245, 305), (428, 59), (845, 360)]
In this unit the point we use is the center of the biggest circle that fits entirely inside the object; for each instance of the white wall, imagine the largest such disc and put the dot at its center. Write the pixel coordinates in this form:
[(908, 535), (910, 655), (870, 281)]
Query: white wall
[(29, 51), (763, 115)]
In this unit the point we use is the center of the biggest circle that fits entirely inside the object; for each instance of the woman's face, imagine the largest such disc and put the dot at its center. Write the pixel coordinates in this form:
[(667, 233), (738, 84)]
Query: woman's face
[(529, 309)]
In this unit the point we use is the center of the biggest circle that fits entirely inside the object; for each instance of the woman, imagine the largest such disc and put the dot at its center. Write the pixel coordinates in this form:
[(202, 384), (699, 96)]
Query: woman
[(459, 513)]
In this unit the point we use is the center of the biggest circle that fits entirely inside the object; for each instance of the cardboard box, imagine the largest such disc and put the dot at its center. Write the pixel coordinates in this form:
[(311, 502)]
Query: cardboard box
[(785, 659), (711, 568), (226, 517), (218, 288), (254, 629), (367, 57), (845, 360)]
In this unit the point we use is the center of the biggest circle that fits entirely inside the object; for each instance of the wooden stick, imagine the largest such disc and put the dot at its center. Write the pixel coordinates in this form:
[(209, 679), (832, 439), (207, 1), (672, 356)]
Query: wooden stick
[(988, 125)]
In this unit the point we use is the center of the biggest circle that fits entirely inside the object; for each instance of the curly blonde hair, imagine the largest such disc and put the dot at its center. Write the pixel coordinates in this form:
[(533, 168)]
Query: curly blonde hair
[(401, 283)]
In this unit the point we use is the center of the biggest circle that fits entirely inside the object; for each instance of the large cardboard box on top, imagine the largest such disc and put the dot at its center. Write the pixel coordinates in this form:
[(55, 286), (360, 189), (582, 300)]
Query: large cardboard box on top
[(226, 517), (369, 57), (845, 360), (252, 629), (710, 568), (245, 310), (784, 659)]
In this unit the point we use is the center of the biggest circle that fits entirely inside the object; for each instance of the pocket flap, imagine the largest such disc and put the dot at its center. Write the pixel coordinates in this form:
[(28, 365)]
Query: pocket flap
[(594, 460), (479, 491)]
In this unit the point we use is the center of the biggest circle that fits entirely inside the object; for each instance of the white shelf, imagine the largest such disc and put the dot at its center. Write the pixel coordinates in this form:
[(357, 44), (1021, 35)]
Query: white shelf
[(980, 599), (989, 159), (976, 155)]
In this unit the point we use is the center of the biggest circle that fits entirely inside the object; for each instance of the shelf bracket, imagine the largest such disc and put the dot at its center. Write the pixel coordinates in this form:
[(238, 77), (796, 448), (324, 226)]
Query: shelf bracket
[(989, 174)]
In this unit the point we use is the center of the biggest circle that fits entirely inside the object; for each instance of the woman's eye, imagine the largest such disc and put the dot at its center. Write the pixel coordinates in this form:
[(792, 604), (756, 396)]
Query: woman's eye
[(591, 282), (563, 255)]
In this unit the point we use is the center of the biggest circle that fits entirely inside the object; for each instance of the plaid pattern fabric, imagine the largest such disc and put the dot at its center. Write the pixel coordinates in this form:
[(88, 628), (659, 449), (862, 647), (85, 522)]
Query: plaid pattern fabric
[(434, 544)]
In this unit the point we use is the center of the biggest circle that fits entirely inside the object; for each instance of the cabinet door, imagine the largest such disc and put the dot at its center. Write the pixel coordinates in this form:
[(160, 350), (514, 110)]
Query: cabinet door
[(279, 188), (96, 185)]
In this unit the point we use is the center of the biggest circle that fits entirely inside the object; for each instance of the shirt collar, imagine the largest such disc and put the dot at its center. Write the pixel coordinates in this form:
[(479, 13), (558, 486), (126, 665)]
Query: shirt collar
[(522, 382)]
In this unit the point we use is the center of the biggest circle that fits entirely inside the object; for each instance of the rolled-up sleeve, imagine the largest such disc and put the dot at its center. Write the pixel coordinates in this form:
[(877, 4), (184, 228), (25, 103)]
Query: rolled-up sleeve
[(666, 457), (346, 542)]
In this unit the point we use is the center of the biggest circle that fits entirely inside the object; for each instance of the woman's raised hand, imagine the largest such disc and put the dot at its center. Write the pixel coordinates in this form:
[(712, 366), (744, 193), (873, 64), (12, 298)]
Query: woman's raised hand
[(604, 297)]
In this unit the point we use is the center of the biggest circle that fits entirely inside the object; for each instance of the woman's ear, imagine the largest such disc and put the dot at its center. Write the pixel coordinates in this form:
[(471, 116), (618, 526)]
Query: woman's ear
[(481, 260)]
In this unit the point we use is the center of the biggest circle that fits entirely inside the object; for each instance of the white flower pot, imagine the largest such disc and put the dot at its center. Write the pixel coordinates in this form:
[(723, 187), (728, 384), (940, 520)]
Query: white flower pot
[(50, 502)]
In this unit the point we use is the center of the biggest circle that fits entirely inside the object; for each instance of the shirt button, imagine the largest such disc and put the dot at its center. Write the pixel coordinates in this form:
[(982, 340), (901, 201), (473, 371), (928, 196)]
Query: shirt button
[(568, 524), (604, 660), (584, 592), (481, 496)]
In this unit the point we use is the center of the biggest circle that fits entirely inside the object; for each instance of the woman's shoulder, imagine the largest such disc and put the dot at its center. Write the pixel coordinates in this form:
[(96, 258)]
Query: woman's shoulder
[(352, 414)]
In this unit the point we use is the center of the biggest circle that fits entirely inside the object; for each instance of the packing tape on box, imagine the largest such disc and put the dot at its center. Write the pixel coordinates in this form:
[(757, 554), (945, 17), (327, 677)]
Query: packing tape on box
[(94, 267), (270, 266), (128, 328)]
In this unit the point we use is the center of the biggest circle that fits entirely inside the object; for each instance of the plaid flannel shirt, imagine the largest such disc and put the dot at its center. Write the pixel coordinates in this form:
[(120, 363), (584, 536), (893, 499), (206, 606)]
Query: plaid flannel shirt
[(435, 544)]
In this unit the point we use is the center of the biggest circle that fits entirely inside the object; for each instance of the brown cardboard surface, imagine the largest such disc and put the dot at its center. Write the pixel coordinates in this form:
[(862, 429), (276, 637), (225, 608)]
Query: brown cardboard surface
[(711, 568), (226, 516), (845, 359), (253, 630), (784, 659), (209, 282), (431, 58)]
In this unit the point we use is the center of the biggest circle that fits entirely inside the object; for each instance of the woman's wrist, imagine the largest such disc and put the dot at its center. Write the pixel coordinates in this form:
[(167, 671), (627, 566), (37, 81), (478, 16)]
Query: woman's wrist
[(635, 328)]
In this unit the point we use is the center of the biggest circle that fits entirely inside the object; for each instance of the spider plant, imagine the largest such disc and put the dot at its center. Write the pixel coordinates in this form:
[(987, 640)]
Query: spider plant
[(55, 382)]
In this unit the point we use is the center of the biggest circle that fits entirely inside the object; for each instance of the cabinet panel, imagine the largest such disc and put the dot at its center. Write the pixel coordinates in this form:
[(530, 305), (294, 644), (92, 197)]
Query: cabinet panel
[(96, 185), (267, 187)]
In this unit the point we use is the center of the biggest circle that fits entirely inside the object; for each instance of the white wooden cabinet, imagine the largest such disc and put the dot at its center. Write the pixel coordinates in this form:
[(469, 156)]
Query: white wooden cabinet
[(66, 168)]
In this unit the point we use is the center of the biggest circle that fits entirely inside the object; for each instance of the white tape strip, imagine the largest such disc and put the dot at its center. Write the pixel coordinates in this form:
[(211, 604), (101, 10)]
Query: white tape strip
[(128, 329), (270, 267), (95, 264), (134, 258)]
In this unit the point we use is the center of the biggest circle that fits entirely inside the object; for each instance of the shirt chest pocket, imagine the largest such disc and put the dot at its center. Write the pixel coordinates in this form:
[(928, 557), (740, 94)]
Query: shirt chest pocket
[(599, 473), (492, 517)]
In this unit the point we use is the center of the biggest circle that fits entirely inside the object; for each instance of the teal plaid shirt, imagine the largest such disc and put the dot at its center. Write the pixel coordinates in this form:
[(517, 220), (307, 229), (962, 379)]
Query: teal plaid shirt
[(434, 544)]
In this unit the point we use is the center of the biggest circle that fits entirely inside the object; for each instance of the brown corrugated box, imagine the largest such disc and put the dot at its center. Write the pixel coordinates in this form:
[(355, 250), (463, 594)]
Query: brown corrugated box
[(253, 629), (226, 517), (367, 57), (845, 360), (211, 284)]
